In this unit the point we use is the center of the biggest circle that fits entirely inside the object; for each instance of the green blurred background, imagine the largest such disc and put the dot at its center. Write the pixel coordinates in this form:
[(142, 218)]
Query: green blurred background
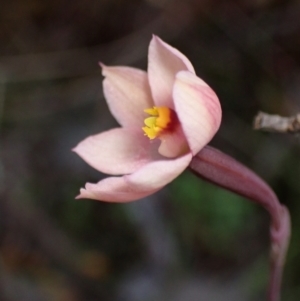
[(191, 241)]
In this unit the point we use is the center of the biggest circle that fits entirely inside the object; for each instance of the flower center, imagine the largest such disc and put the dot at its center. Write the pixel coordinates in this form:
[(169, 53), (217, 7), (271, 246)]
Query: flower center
[(162, 118)]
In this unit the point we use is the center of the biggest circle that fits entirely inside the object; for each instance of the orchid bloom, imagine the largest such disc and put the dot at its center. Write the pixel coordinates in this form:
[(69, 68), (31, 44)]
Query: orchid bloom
[(167, 115)]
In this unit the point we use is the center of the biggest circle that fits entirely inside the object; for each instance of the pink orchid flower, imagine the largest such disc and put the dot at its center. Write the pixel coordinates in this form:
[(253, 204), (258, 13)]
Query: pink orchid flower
[(167, 116)]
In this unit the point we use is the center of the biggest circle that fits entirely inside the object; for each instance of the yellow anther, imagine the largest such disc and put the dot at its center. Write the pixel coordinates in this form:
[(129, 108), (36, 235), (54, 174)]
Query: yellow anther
[(161, 118), (150, 121), (152, 111), (150, 132)]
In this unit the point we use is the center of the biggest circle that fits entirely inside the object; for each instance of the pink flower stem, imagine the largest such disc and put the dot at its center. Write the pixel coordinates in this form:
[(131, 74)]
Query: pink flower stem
[(222, 170)]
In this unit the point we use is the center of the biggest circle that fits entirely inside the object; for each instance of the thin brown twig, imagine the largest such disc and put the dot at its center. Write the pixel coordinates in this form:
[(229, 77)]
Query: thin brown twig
[(275, 123)]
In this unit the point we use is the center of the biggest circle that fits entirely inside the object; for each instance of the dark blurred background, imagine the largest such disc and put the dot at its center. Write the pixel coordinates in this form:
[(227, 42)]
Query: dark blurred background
[(189, 242)]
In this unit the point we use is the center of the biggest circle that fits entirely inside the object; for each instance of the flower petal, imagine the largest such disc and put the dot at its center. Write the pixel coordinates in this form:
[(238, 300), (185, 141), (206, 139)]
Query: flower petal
[(157, 174), (198, 109), (113, 189), (117, 151), (173, 144), (164, 62), (145, 181), (127, 93)]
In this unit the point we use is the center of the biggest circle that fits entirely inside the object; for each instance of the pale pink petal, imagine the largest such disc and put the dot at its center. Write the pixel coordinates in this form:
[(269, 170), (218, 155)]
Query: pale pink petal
[(198, 109), (127, 93), (157, 174), (164, 62), (145, 181), (117, 151), (113, 189), (173, 144)]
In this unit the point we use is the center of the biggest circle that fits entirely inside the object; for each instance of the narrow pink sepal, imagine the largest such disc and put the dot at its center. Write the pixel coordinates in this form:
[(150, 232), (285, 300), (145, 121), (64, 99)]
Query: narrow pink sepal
[(117, 151), (222, 170), (157, 174), (198, 109), (145, 181), (164, 62), (112, 189), (127, 93)]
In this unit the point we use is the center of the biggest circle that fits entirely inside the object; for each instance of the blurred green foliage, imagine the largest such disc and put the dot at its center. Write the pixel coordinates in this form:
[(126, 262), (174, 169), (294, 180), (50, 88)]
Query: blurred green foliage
[(223, 214)]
